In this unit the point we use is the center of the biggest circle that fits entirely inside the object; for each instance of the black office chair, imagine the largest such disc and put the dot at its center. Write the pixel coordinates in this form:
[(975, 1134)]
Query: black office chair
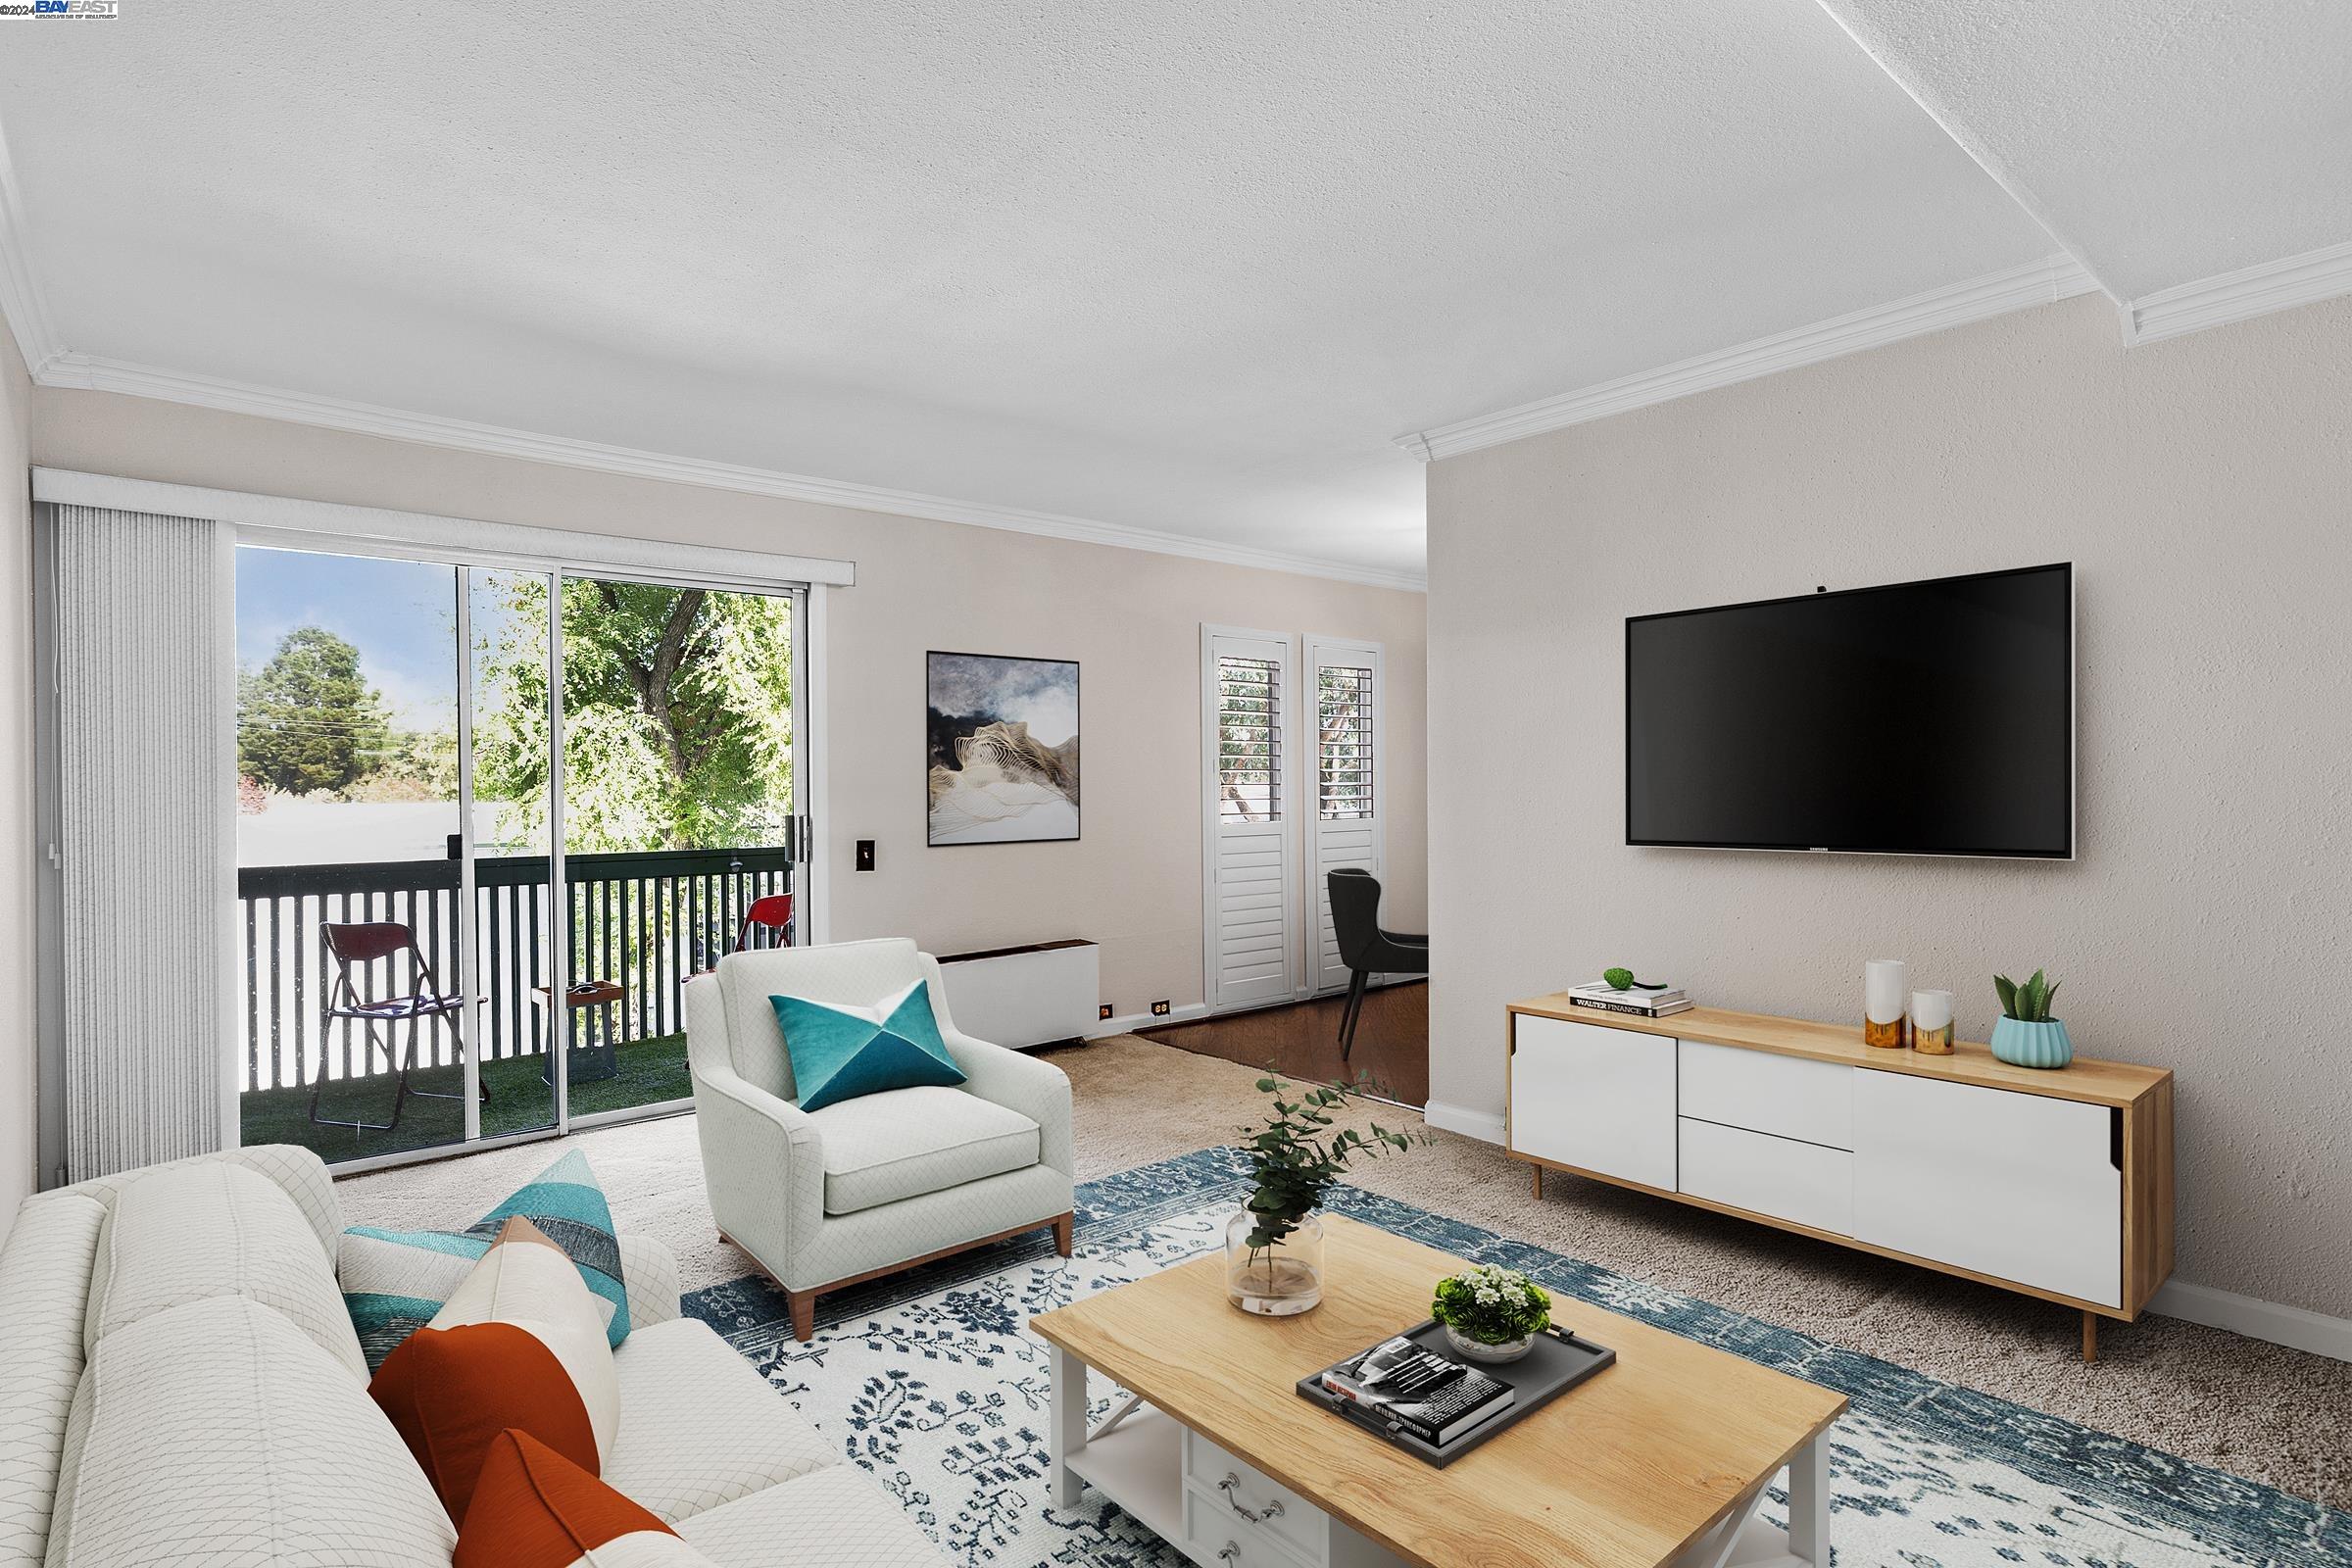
[(1364, 947)]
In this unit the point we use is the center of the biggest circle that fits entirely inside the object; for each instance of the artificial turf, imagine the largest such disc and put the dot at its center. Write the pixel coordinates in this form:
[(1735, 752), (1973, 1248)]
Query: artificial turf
[(651, 1071)]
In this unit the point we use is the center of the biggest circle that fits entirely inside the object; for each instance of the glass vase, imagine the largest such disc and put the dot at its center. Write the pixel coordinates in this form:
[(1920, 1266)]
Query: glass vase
[(1278, 1280)]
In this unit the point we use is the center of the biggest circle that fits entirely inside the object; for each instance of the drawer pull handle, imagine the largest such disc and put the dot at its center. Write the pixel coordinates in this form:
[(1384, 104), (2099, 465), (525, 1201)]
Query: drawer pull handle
[(1232, 1485), (1230, 1553)]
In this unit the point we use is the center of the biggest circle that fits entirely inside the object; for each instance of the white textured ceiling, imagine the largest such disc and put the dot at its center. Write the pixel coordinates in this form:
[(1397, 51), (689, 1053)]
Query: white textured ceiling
[(1184, 266), (2164, 141)]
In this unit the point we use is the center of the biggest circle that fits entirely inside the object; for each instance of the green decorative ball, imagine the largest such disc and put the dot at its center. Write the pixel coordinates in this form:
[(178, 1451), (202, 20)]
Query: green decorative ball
[(1619, 979)]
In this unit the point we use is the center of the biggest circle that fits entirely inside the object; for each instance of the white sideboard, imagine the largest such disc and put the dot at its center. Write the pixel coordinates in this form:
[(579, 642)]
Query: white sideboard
[(2054, 1184)]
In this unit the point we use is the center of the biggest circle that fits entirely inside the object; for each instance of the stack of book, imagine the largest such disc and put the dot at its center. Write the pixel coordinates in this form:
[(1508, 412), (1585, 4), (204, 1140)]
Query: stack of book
[(1401, 1385), (1639, 1000)]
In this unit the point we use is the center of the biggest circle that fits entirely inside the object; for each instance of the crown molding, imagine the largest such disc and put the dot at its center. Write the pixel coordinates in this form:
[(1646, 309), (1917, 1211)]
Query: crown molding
[(22, 303), (91, 374), (2042, 282), (2239, 296)]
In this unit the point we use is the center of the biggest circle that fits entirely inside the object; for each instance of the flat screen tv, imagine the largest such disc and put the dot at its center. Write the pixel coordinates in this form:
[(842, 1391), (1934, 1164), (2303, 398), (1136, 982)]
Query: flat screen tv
[(1916, 718)]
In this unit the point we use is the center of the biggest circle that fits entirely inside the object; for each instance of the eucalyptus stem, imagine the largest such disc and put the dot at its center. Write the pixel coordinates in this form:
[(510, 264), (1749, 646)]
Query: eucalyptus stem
[(1300, 1151)]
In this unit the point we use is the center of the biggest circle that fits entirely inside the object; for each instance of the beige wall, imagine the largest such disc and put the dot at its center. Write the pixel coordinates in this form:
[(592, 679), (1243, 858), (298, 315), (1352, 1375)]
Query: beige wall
[(2201, 488), (1131, 619), (16, 1054)]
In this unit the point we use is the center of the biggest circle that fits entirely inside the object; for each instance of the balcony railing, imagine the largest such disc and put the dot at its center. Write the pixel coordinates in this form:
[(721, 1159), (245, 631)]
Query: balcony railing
[(648, 921)]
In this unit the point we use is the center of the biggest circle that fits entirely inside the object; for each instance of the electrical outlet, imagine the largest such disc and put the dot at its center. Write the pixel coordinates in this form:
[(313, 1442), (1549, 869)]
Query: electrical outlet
[(1102, 1013), (865, 855), (1160, 1009)]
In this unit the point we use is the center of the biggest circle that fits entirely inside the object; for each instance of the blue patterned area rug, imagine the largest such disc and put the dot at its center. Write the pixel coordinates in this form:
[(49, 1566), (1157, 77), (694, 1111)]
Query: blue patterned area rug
[(929, 1381)]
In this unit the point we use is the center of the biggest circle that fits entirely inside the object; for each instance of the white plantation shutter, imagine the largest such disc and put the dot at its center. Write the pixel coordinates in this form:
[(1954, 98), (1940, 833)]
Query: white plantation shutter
[(1346, 828), (1249, 941), (1249, 739)]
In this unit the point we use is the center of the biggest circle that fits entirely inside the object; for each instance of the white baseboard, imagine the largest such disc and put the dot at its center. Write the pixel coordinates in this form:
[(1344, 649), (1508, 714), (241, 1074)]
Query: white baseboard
[(2291, 1326), (1144, 1020), (1482, 1124)]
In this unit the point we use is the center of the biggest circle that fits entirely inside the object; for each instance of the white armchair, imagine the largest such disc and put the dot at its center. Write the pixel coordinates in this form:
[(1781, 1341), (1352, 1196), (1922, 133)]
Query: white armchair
[(865, 1187)]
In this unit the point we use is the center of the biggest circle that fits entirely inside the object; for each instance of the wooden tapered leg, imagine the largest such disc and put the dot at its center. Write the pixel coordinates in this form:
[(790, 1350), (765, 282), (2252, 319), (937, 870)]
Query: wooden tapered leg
[(1063, 1229), (2091, 1336), (804, 1314), (1539, 1174)]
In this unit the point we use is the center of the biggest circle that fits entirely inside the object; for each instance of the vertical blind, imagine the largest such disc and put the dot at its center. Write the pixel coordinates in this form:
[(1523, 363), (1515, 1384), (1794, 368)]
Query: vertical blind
[(1249, 739), (146, 678)]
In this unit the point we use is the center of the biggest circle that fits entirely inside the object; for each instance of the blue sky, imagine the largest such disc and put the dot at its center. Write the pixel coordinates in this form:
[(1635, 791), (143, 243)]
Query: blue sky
[(401, 615)]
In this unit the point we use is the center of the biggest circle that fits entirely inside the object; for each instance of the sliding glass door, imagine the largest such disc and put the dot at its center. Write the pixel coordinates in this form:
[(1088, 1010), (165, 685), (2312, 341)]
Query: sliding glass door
[(678, 815), (373, 1028), (482, 847)]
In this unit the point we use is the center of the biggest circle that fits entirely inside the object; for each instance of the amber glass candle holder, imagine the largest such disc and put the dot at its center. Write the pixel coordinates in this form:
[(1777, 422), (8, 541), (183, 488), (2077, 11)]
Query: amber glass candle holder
[(1932, 1022)]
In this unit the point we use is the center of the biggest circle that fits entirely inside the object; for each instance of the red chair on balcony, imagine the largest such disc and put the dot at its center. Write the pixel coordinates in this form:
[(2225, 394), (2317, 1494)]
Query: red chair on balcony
[(772, 914), (355, 950)]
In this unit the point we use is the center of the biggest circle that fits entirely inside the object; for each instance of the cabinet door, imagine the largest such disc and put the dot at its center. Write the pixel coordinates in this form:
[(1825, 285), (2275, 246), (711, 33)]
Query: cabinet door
[(1595, 1098), (2016, 1185)]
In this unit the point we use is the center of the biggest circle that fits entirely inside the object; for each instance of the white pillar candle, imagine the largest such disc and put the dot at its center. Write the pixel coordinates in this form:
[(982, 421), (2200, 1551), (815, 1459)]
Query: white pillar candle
[(1931, 1010), (1884, 983)]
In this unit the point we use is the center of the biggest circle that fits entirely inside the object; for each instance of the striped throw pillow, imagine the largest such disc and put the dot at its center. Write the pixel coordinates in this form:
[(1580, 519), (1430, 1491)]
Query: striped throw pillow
[(393, 1282)]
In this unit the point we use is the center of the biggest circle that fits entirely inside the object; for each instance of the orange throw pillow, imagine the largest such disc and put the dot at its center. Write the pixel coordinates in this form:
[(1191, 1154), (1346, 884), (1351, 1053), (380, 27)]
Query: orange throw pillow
[(534, 1508), (452, 1391)]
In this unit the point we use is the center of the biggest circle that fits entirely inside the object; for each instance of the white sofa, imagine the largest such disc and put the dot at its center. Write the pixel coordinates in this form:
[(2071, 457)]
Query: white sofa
[(179, 1383), (864, 1187)]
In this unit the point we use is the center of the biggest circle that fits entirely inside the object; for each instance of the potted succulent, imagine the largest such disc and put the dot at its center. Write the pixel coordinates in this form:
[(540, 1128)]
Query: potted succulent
[(2026, 1034), (1491, 1313), (1274, 1243)]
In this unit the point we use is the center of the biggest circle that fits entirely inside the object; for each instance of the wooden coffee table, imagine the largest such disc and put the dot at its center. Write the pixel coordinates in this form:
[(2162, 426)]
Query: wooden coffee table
[(1660, 1459)]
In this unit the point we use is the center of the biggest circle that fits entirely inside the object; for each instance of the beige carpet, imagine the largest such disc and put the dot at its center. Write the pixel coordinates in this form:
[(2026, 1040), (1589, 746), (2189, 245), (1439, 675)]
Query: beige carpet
[(2276, 1415)]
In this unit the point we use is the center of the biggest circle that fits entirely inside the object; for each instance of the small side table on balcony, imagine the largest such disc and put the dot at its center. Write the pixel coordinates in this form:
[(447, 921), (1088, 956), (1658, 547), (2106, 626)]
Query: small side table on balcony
[(589, 1062)]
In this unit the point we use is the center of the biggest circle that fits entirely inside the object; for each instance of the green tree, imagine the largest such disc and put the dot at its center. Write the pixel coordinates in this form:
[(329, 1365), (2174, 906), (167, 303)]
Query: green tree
[(677, 714), (308, 721)]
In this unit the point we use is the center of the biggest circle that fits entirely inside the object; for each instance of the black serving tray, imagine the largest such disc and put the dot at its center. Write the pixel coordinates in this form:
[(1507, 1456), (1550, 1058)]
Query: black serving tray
[(1558, 1361)]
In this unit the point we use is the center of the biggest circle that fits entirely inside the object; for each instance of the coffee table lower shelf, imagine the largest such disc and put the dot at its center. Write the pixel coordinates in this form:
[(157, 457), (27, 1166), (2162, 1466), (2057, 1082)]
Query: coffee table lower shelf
[(1140, 1466)]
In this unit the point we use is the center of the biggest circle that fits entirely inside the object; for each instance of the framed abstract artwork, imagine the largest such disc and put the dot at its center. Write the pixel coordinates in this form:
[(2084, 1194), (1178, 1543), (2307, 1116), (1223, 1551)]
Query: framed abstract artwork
[(1001, 748)]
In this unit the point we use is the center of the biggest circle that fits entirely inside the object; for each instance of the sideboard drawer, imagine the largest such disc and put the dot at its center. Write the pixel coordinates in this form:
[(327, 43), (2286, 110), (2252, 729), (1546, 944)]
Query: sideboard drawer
[(1595, 1098), (2016, 1186), (1767, 1175), (1790, 1097), (1249, 1498)]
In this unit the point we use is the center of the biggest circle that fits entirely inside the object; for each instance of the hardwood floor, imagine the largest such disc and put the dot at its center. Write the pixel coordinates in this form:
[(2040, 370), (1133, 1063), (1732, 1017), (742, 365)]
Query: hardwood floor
[(1303, 1039)]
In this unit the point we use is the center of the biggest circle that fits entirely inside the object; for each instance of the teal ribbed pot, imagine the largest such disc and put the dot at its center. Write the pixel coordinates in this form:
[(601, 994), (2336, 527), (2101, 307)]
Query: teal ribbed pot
[(2032, 1045)]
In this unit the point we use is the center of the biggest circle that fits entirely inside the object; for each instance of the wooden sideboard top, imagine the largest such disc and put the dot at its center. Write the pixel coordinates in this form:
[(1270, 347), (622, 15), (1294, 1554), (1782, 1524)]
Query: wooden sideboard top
[(2093, 1082)]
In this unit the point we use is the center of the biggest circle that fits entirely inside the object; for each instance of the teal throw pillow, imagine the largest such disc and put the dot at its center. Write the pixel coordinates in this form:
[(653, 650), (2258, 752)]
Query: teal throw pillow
[(841, 1052), (394, 1281)]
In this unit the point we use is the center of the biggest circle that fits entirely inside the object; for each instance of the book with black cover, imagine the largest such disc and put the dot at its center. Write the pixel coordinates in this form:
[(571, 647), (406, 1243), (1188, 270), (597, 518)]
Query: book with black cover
[(1434, 1397), (1557, 1362)]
